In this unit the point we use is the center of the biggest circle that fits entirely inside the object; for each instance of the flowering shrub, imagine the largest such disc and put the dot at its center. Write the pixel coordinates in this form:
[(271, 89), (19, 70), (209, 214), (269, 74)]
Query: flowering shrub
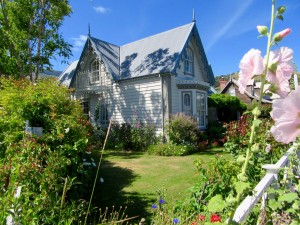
[(137, 136), (48, 169), (182, 129)]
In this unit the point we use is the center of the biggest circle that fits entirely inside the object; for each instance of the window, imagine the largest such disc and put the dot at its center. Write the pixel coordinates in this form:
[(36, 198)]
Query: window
[(103, 111), (201, 108), (85, 108), (187, 103), (95, 71), (188, 61)]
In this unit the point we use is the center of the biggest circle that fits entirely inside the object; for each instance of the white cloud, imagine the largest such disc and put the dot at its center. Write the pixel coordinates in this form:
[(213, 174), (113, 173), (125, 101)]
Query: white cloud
[(79, 42), (235, 17), (101, 9)]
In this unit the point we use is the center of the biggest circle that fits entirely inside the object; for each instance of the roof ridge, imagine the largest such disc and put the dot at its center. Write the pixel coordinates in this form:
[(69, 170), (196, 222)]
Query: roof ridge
[(151, 36), (105, 42)]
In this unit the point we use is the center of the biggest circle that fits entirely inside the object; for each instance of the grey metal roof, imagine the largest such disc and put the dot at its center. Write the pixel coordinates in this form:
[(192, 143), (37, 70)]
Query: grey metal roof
[(67, 75), (109, 53), (154, 54), (159, 53)]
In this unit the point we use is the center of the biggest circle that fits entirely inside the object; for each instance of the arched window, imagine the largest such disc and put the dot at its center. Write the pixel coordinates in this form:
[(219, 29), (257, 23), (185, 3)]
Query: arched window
[(95, 71), (189, 61), (187, 103)]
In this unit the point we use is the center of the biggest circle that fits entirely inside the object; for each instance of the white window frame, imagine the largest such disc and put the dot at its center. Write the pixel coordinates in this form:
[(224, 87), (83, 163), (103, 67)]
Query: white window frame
[(201, 106), (96, 69), (187, 103), (189, 61), (103, 112)]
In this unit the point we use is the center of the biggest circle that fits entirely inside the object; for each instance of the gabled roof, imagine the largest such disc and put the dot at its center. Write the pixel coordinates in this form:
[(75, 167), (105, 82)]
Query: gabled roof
[(159, 53), (109, 53), (235, 82), (67, 75), (155, 54)]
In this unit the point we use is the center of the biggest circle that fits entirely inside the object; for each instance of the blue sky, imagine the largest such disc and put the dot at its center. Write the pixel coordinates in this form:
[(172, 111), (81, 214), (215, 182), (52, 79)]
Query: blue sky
[(227, 27)]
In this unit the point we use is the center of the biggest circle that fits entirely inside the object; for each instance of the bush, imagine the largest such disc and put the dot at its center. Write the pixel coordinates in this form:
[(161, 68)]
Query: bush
[(227, 106), (49, 169), (136, 137), (266, 151), (215, 132), (182, 129)]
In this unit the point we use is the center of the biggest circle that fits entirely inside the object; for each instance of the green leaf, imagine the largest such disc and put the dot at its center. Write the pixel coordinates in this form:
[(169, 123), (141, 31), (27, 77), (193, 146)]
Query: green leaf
[(257, 122), (274, 205), (240, 187), (291, 210), (216, 204), (289, 197)]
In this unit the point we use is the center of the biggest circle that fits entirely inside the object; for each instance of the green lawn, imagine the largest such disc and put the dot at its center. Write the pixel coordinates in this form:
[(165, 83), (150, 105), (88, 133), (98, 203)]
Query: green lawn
[(132, 179)]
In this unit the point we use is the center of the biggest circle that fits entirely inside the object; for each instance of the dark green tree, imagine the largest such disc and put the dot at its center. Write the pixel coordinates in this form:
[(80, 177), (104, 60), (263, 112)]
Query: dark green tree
[(30, 31)]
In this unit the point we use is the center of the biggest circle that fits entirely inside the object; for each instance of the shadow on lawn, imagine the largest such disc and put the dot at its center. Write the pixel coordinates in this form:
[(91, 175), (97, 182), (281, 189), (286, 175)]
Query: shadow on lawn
[(110, 193)]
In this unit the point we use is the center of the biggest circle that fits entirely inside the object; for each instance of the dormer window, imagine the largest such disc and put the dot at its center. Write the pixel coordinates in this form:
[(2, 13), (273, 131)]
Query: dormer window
[(95, 71), (188, 61)]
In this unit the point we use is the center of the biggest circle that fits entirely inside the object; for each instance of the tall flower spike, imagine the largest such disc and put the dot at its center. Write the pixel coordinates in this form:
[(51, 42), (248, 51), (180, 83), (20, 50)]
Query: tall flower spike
[(286, 114), (250, 65)]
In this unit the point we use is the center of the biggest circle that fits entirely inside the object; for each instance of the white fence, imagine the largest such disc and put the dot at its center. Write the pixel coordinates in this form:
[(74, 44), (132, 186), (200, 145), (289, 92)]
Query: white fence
[(259, 191)]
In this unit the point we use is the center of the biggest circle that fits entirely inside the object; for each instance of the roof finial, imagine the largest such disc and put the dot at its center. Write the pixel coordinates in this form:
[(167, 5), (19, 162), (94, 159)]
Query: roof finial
[(89, 32), (194, 18)]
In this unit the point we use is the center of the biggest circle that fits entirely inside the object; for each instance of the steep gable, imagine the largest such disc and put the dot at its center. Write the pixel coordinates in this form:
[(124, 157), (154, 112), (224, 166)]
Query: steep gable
[(109, 53), (160, 53)]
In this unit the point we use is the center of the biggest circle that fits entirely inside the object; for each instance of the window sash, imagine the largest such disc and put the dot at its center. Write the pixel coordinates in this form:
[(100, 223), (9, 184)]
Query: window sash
[(187, 103), (201, 108), (96, 71)]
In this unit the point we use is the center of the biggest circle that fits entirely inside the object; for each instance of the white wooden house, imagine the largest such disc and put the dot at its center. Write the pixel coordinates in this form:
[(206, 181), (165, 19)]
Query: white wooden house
[(149, 79)]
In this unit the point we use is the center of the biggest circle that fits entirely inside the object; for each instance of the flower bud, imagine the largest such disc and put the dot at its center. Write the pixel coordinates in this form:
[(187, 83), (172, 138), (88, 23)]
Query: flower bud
[(242, 177), (241, 159), (280, 35), (230, 199), (281, 10), (272, 68), (255, 147), (256, 111), (263, 30)]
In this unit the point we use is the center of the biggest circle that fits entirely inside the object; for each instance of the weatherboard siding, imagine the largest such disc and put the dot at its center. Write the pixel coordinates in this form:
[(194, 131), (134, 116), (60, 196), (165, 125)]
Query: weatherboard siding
[(138, 100)]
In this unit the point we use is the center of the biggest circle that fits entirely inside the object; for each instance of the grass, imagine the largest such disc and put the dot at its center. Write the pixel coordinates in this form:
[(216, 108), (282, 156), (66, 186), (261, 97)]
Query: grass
[(132, 179)]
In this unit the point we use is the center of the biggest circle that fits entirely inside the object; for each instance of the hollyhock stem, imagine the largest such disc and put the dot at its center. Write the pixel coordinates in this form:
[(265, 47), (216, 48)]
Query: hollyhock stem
[(256, 114)]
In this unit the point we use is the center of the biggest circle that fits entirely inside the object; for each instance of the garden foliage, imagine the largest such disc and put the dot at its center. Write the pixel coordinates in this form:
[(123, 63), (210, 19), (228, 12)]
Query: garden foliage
[(227, 106), (182, 129), (48, 169)]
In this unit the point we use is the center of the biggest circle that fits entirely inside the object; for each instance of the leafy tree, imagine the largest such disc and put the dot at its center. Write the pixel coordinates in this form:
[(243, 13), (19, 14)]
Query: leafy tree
[(227, 106), (30, 31)]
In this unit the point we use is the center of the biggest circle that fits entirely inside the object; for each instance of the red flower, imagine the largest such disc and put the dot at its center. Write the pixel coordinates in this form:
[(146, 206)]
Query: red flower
[(201, 217), (215, 218), (194, 223)]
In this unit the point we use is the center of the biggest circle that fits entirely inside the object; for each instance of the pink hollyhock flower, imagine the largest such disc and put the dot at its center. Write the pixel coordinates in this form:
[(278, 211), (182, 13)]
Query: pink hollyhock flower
[(280, 69), (280, 35), (286, 114), (250, 65), (215, 218)]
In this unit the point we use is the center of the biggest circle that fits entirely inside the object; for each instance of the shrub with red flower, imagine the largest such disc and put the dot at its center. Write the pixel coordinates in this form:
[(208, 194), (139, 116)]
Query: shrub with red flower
[(215, 218)]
